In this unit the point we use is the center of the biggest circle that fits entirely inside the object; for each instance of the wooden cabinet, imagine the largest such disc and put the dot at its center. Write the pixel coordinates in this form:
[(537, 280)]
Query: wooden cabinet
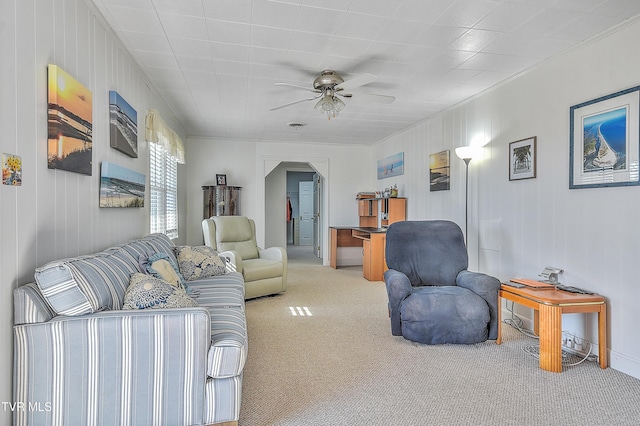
[(392, 210), (381, 212), (221, 200), (373, 263), (366, 258), (374, 215), (368, 213)]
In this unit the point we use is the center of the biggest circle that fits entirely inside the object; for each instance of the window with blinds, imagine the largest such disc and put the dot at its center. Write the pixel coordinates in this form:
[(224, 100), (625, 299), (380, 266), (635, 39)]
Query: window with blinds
[(163, 182)]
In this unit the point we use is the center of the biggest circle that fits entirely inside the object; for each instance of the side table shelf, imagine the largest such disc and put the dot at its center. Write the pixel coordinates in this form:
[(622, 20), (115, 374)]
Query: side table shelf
[(548, 306)]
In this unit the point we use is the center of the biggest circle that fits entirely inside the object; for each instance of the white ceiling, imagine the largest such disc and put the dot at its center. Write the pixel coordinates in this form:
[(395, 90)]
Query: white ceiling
[(215, 62)]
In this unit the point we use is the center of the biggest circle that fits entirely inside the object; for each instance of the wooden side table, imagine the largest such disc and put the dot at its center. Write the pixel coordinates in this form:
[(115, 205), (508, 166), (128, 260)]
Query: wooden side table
[(548, 306)]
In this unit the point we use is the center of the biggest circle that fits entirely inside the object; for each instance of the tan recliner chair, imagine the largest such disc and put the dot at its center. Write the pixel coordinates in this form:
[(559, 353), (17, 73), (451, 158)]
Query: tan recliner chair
[(264, 270)]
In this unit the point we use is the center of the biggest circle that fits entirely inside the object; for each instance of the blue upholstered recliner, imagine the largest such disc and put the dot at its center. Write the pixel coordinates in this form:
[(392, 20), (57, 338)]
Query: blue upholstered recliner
[(433, 299)]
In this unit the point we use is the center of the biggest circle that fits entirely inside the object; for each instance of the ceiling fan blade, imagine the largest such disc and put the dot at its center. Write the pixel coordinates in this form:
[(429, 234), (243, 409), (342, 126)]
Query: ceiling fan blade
[(369, 97), (294, 102), (308, 89), (358, 81)]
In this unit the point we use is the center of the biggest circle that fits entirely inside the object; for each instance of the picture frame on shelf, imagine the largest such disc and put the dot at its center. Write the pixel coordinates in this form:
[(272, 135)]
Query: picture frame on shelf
[(221, 179), (604, 145), (523, 159)]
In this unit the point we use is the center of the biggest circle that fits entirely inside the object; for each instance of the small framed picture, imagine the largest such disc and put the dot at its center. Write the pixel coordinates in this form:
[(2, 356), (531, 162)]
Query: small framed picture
[(522, 159), (221, 179)]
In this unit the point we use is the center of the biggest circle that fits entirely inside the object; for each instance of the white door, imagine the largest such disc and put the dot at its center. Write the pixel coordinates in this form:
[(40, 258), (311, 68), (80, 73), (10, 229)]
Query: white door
[(306, 213), (317, 193)]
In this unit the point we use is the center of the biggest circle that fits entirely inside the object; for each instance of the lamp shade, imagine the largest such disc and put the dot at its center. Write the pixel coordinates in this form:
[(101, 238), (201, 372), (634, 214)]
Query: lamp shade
[(466, 152)]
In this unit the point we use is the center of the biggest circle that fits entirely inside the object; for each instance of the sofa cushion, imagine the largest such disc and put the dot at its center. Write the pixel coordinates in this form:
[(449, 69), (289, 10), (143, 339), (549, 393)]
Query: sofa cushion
[(199, 262), (86, 284), (444, 314), (29, 306), (160, 243), (149, 292), (259, 269), (220, 291)]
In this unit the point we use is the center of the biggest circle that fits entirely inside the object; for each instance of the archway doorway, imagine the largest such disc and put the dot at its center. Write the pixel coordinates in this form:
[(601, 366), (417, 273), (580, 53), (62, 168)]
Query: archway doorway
[(304, 231)]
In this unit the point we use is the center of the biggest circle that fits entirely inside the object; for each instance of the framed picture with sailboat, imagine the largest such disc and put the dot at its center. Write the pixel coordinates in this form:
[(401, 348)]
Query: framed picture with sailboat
[(605, 141)]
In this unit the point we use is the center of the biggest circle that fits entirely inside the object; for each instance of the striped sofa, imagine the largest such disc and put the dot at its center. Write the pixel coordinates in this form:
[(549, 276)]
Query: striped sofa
[(81, 360)]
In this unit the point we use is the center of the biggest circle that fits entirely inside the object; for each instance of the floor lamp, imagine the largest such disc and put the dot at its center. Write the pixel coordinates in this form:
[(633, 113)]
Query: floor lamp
[(465, 153)]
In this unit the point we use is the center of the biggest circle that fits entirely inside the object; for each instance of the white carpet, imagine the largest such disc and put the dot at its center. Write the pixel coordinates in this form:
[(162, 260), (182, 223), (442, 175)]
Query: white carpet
[(341, 366)]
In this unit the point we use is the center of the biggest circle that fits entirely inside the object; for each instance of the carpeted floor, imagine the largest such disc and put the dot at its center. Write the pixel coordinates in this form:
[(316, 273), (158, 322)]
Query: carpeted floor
[(341, 366)]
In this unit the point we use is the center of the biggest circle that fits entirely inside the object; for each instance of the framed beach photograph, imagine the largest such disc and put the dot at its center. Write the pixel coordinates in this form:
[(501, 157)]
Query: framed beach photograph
[(439, 167), (392, 165), (121, 187), (522, 159), (605, 141), (123, 125)]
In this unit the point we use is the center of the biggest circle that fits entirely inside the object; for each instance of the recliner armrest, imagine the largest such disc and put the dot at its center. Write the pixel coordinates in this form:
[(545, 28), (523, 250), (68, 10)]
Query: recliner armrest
[(273, 253), (234, 260), (398, 289), (486, 287)]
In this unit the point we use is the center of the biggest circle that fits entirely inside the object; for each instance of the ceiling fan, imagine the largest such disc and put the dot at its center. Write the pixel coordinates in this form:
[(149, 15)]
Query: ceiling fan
[(329, 87)]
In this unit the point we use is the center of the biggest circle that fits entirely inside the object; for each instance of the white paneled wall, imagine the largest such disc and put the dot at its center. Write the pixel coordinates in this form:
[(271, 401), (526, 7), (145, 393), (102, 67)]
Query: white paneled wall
[(346, 169), (55, 213), (516, 228)]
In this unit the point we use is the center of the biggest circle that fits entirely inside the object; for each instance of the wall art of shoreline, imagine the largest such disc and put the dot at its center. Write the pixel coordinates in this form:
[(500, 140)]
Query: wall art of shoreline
[(121, 187), (123, 125)]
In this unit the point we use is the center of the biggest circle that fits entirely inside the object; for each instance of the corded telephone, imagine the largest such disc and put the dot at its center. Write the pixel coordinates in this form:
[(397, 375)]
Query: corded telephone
[(550, 275)]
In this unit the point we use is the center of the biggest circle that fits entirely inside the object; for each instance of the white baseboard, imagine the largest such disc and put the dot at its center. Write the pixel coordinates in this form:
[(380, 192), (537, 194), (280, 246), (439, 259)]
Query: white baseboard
[(624, 364), (617, 361)]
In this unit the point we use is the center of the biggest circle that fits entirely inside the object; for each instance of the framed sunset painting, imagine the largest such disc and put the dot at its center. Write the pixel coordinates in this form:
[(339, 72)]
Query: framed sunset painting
[(69, 117)]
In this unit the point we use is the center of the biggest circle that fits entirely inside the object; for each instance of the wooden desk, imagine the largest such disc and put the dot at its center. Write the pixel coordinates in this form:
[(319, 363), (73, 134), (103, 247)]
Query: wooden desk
[(548, 306), (341, 237), (372, 241)]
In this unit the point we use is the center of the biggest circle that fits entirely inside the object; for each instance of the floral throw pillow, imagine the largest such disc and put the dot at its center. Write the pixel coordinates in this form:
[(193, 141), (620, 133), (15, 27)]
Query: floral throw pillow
[(148, 292), (199, 262)]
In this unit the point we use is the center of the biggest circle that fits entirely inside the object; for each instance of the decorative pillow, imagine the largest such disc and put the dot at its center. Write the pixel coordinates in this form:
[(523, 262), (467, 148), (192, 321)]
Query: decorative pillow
[(149, 292), (162, 269), (161, 266), (199, 262)]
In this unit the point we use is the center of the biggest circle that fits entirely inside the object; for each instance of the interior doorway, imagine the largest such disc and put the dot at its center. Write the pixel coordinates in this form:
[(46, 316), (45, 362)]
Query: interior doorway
[(304, 203), (277, 230)]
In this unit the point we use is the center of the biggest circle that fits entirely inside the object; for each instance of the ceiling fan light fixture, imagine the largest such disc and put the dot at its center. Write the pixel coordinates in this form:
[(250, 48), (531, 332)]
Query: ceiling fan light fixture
[(338, 104), (330, 105)]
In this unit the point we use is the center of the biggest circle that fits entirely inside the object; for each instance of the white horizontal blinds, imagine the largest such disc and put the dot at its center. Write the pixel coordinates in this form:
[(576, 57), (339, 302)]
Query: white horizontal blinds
[(163, 171), (165, 152), (171, 196)]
